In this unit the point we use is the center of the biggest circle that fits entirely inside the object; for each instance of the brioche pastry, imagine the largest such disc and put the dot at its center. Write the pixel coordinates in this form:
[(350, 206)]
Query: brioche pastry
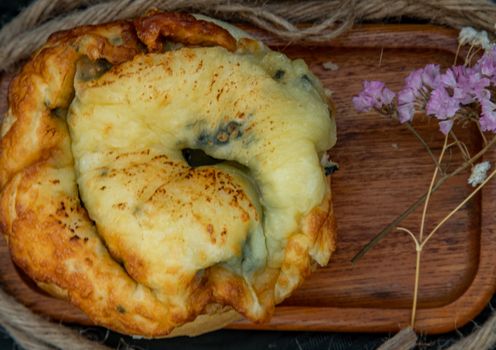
[(100, 206)]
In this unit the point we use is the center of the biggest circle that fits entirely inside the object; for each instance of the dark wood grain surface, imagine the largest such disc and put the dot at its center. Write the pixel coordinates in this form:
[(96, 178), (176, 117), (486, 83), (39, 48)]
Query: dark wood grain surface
[(383, 170)]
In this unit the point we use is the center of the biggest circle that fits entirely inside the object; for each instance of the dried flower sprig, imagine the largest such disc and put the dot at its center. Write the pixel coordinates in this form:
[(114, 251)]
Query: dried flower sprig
[(459, 94), (470, 36), (479, 173)]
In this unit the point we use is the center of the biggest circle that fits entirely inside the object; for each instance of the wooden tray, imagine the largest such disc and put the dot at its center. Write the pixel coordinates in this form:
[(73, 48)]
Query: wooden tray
[(383, 170)]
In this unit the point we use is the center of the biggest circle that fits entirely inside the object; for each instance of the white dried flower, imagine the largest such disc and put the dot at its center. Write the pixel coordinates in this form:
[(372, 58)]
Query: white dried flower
[(466, 35), (479, 173), (330, 65), (482, 40), (469, 35)]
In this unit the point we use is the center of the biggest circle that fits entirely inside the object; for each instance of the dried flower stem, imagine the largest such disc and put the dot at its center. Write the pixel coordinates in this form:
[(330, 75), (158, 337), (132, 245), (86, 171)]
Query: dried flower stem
[(426, 146), (378, 237), (468, 55), (461, 146), (418, 245), (420, 242), (457, 53), (418, 250), (473, 54), (447, 217), (429, 192), (461, 94)]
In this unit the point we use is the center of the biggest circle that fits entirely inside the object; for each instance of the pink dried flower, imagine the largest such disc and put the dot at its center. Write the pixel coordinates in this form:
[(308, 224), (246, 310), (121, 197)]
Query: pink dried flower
[(406, 104), (456, 79), (375, 94), (387, 97), (445, 126), (467, 84), (449, 79), (431, 75), (442, 94), (487, 64), (406, 96), (406, 112), (363, 102), (441, 104), (414, 81)]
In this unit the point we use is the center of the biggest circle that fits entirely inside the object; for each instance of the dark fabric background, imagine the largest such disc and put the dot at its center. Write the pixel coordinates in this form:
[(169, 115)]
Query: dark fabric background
[(246, 340)]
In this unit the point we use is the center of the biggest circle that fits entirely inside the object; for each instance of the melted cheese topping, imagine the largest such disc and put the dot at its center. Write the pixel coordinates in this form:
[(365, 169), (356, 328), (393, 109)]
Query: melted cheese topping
[(167, 221)]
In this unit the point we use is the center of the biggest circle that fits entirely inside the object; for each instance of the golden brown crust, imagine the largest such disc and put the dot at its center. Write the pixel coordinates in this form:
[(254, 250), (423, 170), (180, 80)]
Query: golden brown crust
[(53, 240), (45, 85), (317, 241), (181, 27), (50, 234)]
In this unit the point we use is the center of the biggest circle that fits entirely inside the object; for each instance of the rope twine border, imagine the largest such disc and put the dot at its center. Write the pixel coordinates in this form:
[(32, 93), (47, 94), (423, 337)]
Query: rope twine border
[(20, 37)]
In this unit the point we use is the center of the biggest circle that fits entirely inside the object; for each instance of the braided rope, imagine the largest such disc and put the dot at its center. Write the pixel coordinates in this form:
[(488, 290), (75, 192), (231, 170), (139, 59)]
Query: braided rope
[(33, 26)]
